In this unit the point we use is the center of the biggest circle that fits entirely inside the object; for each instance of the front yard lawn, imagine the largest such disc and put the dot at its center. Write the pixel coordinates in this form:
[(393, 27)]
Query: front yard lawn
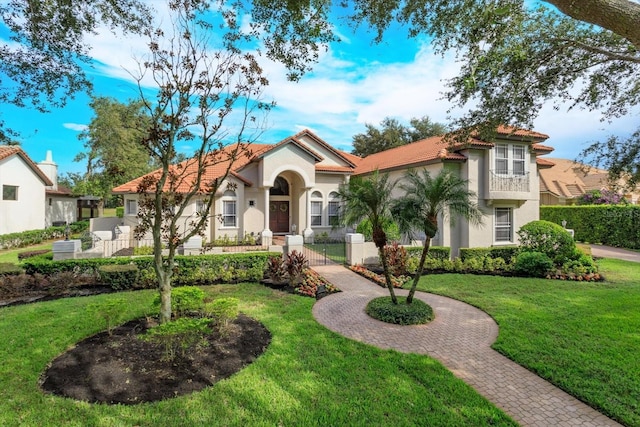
[(583, 337), (309, 376)]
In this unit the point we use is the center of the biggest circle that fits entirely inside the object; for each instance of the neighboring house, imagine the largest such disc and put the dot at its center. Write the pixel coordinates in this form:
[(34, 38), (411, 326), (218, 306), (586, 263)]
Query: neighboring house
[(24, 184), (31, 197), (291, 187), (61, 206), (564, 181)]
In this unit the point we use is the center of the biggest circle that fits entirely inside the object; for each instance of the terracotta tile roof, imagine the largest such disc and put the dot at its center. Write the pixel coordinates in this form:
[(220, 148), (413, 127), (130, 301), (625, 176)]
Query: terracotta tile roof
[(331, 168), (7, 151), (542, 162), (61, 191), (290, 140), (341, 154), (539, 148), (510, 130), (425, 151), (214, 171), (567, 179)]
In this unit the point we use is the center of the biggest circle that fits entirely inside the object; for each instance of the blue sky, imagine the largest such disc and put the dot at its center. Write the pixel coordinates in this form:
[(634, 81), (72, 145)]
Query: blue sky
[(354, 83)]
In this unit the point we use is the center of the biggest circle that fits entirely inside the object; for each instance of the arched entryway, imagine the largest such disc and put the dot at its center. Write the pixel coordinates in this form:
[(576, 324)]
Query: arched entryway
[(279, 206)]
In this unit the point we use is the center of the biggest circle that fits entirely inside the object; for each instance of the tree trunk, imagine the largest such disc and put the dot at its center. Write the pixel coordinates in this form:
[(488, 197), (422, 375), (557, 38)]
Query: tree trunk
[(620, 16), (387, 276), (418, 275), (165, 299)]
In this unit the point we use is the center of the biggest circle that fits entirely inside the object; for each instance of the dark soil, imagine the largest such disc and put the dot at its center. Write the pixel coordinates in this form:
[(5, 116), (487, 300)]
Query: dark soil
[(122, 368)]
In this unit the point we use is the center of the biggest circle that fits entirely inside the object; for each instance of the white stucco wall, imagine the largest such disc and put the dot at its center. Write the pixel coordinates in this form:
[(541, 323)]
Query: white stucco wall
[(60, 209), (28, 212)]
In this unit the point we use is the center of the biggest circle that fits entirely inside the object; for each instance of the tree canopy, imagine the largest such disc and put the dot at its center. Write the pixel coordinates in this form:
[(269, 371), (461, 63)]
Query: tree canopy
[(113, 142), (392, 133), (515, 58)]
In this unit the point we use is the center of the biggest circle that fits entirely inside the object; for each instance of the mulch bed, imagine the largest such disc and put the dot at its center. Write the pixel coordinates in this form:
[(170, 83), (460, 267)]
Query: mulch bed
[(122, 368)]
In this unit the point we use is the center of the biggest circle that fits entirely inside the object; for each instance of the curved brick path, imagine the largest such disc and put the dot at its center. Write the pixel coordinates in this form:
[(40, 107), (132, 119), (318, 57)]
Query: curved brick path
[(460, 337)]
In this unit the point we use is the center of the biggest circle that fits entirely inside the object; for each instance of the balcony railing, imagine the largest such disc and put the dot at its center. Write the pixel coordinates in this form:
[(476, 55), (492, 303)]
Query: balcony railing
[(510, 183)]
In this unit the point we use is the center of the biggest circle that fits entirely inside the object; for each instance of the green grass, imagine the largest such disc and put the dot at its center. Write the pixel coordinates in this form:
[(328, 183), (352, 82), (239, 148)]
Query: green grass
[(334, 251), (11, 255), (309, 376), (583, 337)]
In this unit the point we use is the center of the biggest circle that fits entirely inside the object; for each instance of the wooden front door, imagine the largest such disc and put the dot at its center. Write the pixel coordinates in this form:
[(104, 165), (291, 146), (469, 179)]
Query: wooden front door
[(279, 216)]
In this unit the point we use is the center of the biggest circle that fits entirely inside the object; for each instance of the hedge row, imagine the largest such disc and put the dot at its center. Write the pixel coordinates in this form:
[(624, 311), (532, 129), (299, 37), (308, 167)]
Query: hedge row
[(435, 252), (189, 270), (504, 252), (604, 224), (34, 237)]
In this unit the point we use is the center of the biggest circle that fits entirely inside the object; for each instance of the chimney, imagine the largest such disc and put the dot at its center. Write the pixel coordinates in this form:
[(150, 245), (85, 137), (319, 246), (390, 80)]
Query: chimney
[(50, 169)]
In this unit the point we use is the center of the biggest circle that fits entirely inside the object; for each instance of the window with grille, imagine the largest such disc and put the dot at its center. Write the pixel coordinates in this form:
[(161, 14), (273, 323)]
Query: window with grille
[(334, 209), (316, 208), (131, 207), (9, 192), (503, 225)]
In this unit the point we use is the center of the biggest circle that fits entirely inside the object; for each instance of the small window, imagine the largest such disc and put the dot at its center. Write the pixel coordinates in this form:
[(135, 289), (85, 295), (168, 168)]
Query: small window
[(518, 160), (201, 206), (9, 192), (131, 207), (229, 213), (334, 209), (503, 225), (502, 159), (316, 208)]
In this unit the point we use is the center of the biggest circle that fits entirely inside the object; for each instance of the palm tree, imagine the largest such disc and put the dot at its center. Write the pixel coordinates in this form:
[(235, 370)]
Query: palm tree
[(370, 199), (425, 200)]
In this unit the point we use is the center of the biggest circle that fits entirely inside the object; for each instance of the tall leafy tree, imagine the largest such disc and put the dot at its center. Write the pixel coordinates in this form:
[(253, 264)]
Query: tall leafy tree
[(113, 139), (425, 200), (392, 134), (43, 63), (516, 56), (370, 198), (207, 99)]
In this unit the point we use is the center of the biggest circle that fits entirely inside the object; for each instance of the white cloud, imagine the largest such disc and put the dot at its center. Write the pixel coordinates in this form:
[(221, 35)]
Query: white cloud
[(75, 126)]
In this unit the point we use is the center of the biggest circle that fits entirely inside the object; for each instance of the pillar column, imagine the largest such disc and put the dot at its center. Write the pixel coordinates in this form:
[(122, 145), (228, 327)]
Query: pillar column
[(267, 235)]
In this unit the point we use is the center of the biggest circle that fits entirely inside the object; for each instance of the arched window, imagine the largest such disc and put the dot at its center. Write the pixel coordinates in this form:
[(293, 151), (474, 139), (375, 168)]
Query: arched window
[(280, 187), (229, 212), (334, 209), (316, 208)]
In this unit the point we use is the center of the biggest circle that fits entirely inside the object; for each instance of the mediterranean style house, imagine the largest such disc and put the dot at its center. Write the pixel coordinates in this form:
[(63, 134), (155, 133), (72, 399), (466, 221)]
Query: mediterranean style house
[(31, 198), (291, 187), (564, 181)]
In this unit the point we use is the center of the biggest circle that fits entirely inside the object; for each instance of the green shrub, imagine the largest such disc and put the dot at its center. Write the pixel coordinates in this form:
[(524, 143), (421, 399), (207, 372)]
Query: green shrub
[(8, 268), (223, 311), (179, 336), (547, 238), (184, 300), (606, 224), (119, 277), (436, 252), (120, 211), (390, 228), (402, 313), (533, 264), (111, 312), (143, 250)]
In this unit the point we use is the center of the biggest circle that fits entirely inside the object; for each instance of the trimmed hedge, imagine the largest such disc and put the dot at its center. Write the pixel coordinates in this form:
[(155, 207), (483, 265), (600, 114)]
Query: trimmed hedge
[(34, 237), (189, 270), (612, 225), (504, 252), (435, 252)]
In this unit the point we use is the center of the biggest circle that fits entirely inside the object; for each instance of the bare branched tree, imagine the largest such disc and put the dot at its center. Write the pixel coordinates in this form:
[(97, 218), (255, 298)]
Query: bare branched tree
[(207, 99)]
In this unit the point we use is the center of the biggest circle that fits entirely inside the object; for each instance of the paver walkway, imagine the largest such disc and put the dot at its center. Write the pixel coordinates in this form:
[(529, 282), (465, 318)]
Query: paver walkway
[(460, 337)]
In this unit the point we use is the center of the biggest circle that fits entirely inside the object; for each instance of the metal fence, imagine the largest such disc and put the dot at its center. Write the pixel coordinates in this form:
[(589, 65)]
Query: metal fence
[(326, 252), (123, 247)]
